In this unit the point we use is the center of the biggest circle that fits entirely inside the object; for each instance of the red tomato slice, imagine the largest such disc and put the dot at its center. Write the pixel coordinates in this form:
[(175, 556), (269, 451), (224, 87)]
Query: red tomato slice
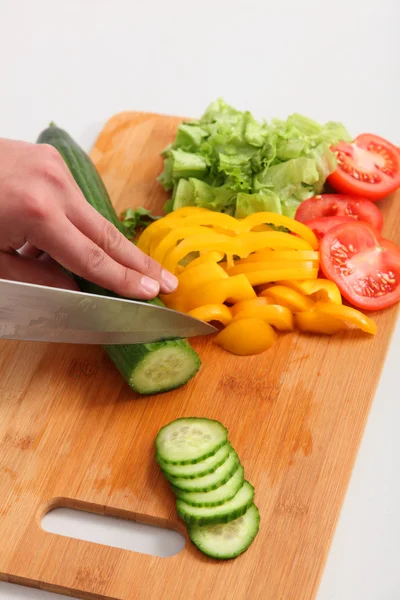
[(340, 205), (365, 267), (368, 167), (321, 226)]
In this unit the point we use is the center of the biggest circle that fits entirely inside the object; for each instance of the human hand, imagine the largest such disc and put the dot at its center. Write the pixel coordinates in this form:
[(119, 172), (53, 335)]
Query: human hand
[(45, 222)]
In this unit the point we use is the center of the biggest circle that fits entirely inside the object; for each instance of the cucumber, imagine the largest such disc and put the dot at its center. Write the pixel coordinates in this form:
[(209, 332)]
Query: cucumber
[(229, 539), (233, 509), (158, 367), (147, 368), (83, 171), (209, 482), (190, 440), (215, 497), (204, 467)]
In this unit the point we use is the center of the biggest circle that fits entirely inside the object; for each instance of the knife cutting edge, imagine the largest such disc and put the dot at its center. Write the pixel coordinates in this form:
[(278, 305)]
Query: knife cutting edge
[(38, 313)]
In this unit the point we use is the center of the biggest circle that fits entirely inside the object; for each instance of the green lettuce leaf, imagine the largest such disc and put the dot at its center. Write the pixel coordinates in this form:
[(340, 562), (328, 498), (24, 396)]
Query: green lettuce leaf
[(214, 198), (189, 137), (290, 206), (228, 155), (247, 204), (181, 164), (136, 218)]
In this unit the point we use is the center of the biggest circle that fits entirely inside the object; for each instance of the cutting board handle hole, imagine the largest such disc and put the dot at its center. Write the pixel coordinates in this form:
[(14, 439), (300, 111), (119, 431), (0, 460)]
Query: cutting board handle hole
[(88, 524)]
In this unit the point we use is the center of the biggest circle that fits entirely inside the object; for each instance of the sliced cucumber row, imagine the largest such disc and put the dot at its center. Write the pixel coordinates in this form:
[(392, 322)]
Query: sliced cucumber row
[(213, 497)]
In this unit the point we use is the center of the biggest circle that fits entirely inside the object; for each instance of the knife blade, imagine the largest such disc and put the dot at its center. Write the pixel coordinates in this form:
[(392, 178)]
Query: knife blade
[(38, 313)]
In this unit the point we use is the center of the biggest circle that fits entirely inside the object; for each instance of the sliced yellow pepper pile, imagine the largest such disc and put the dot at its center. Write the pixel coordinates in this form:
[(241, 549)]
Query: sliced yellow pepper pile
[(248, 277)]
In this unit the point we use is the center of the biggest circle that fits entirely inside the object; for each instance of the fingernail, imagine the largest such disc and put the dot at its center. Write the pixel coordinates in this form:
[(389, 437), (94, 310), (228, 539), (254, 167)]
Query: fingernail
[(169, 280), (150, 285)]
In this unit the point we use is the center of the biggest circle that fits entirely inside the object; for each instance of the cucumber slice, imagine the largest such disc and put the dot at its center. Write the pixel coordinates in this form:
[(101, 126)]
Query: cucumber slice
[(216, 497), (229, 539), (233, 509), (211, 481), (161, 367), (204, 467), (190, 440)]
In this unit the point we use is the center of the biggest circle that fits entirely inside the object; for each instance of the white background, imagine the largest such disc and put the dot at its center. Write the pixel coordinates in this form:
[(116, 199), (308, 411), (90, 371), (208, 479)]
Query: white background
[(77, 62)]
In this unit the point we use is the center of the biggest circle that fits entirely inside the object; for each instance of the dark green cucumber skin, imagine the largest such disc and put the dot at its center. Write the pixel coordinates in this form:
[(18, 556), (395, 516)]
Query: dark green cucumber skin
[(83, 171), (185, 496), (215, 520), (199, 459), (209, 488), (200, 474), (126, 358)]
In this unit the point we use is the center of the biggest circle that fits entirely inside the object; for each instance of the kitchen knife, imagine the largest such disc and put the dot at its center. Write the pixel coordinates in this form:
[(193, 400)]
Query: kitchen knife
[(39, 313)]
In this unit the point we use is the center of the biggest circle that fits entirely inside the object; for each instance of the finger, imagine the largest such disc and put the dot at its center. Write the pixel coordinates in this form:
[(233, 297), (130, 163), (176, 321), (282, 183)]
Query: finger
[(80, 255), (30, 251), (15, 267), (8, 250), (115, 244)]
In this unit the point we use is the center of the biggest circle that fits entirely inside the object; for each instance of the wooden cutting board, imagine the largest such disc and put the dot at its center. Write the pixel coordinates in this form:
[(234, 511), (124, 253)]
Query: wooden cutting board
[(73, 434)]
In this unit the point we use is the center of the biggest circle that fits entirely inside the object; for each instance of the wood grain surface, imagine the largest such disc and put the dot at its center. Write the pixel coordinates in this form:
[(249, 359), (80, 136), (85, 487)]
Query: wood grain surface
[(73, 434)]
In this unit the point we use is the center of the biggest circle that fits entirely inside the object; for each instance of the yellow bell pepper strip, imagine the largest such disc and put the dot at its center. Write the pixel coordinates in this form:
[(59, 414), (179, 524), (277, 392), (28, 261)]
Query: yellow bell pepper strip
[(294, 226), (231, 290), (346, 314), (313, 321), (249, 304), (150, 232), (191, 279), (212, 312), (213, 241), (292, 255), (199, 275), (285, 296), (168, 221), (187, 260), (274, 240), (213, 219), (230, 263), (260, 277), (268, 265), (176, 303), (318, 289), (157, 238), (293, 284), (241, 245), (279, 317), (262, 228), (167, 238), (212, 256), (263, 287), (224, 231), (185, 211), (174, 236), (246, 337)]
